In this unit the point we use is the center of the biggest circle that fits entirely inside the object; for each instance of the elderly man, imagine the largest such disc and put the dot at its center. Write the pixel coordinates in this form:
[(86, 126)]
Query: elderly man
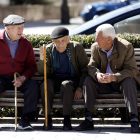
[(112, 68), (17, 55), (66, 70)]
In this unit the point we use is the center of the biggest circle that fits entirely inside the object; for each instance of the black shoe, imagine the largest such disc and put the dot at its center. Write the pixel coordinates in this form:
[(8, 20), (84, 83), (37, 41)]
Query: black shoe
[(49, 127), (67, 123), (134, 127), (24, 125), (67, 126), (86, 125)]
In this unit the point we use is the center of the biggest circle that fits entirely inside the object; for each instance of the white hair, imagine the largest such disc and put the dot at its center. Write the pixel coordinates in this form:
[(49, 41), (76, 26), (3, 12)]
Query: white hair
[(107, 30)]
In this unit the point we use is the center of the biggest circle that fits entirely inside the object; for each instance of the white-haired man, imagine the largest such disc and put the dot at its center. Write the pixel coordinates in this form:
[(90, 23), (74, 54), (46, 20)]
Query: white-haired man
[(17, 55), (112, 68)]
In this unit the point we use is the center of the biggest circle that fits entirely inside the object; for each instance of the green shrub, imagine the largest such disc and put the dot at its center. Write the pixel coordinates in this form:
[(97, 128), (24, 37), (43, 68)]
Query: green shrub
[(85, 40)]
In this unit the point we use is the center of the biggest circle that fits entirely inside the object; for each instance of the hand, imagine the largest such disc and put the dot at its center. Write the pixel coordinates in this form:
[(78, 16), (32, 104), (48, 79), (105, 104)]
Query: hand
[(100, 78), (78, 93), (106, 78), (109, 77), (19, 81), (41, 53)]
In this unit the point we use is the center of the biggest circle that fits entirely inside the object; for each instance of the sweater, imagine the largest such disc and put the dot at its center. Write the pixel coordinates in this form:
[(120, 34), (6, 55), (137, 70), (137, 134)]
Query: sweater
[(24, 62)]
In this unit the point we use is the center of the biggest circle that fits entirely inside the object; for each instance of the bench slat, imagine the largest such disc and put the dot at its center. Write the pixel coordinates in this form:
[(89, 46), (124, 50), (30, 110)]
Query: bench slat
[(11, 93), (74, 106)]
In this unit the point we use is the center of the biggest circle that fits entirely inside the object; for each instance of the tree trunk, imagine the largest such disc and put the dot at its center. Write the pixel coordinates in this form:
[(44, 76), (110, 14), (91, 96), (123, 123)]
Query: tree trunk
[(64, 13)]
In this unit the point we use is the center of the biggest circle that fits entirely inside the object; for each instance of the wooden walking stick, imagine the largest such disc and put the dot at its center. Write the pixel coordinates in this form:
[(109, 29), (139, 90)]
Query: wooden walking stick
[(45, 87), (16, 101)]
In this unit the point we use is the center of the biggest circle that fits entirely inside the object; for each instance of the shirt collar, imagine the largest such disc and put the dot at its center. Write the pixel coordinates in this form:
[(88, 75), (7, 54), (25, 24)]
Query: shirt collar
[(6, 35), (110, 51)]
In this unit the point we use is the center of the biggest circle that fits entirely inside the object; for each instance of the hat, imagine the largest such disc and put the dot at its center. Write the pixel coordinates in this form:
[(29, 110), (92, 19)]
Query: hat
[(13, 20), (59, 32)]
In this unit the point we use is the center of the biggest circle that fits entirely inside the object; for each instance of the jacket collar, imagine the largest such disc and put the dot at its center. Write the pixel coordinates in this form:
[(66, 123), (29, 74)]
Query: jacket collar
[(114, 52)]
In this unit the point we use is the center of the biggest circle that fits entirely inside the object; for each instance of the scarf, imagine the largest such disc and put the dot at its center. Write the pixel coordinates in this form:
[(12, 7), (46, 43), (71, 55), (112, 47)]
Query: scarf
[(56, 62)]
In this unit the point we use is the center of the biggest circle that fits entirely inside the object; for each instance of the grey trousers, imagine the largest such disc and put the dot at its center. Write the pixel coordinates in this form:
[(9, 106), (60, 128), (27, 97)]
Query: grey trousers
[(66, 88), (127, 87)]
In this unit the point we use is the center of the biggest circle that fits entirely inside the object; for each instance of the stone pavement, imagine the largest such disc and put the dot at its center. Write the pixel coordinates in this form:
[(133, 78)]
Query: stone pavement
[(101, 132)]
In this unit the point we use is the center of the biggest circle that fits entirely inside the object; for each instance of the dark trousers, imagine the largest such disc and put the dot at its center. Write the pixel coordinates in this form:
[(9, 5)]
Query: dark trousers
[(30, 88), (66, 88), (127, 87)]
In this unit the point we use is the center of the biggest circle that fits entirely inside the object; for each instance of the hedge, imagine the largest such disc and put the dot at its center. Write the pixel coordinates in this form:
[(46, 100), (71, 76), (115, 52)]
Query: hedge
[(38, 40)]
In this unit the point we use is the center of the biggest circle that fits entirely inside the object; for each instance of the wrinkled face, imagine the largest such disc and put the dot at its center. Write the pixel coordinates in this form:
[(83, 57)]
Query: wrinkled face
[(61, 43), (102, 41), (15, 31)]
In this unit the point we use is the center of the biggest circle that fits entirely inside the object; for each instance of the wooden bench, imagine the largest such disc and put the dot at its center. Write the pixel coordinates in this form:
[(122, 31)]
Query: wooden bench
[(113, 100)]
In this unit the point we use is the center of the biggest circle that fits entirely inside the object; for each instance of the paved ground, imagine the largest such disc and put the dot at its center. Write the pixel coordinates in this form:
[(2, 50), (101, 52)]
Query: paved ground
[(46, 27), (101, 132)]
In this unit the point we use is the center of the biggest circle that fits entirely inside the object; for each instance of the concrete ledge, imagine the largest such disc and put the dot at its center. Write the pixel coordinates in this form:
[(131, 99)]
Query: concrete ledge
[(73, 120)]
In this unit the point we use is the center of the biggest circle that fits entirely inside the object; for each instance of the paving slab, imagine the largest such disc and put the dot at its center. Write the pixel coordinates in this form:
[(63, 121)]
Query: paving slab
[(101, 131)]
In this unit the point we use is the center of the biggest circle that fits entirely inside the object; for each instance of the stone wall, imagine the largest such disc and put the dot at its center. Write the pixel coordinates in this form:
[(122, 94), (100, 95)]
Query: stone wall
[(36, 12), (43, 12)]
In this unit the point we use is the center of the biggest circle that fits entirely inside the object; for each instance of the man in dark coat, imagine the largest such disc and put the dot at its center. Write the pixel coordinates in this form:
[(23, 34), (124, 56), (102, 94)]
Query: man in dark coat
[(66, 71)]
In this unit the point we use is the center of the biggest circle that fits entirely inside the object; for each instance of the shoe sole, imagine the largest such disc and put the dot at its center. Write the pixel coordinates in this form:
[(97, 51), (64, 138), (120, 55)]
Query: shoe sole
[(92, 128), (25, 128), (135, 131), (67, 129), (46, 128)]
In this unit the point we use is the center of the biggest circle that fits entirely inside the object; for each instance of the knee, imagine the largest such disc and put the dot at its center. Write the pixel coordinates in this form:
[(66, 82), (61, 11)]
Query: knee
[(128, 81), (34, 84), (88, 80), (65, 84)]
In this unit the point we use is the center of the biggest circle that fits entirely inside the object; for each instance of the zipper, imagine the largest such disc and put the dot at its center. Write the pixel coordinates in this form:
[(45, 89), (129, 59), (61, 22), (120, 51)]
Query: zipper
[(12, 61)]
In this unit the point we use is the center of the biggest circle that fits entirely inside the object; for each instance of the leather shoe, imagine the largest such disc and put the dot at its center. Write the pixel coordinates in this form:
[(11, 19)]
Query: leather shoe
[(46, 128), (134, 127), (67, 126), (49, 127), (86, 125)]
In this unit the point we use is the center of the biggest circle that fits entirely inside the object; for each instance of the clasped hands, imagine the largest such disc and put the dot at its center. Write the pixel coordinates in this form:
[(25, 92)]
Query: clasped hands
[(106, 78)]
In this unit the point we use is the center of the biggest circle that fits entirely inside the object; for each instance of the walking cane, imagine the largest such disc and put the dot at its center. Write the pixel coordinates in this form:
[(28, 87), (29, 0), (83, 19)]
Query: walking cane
[(16, 101), (45, 87)]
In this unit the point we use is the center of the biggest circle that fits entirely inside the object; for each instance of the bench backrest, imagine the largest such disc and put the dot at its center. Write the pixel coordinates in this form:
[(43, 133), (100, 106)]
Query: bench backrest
[(88, 52)]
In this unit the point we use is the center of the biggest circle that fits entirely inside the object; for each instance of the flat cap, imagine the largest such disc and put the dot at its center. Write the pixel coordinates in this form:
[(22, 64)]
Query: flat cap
[(59, 32), (13, 20)]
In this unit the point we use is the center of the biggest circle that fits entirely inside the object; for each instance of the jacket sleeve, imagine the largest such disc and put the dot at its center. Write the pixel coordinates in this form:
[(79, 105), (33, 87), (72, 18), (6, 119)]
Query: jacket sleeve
[(94, 63), (83, 62), (31, 66), (40, 65), (129, 66)]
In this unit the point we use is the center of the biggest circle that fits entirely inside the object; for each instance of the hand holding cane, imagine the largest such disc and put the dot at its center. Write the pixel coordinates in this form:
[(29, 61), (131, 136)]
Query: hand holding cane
[(16, 101), (45, 87)]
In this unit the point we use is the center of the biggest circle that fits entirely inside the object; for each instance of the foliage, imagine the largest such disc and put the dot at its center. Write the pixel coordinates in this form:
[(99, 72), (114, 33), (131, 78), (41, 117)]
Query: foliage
[(97, 113), (133, 38), (85, 40), (4, 111), (38, 40)]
